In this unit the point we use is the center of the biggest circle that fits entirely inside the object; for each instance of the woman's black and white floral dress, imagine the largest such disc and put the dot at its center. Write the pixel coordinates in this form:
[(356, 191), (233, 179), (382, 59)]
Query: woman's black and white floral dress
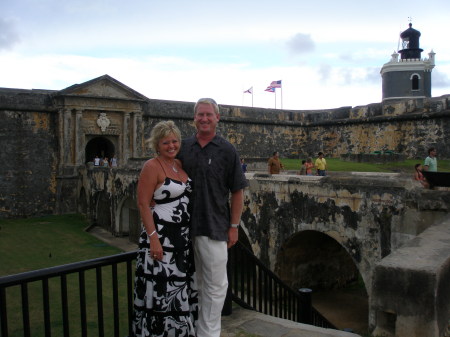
[(165, 294)]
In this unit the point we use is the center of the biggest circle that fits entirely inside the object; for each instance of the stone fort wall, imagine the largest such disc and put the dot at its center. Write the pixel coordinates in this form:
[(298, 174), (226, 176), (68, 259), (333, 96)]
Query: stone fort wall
[(31, 133), (409, 127)]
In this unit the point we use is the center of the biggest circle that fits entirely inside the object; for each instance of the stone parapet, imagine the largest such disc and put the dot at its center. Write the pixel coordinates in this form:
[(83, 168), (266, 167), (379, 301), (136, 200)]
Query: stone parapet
[(411, 287)]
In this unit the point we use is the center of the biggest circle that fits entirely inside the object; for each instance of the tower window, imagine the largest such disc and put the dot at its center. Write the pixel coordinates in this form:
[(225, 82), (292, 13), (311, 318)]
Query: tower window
[(415, 82)]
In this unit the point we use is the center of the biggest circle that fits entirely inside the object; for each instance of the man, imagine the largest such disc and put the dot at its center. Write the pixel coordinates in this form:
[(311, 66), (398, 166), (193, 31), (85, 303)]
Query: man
[(321, 165), (431, 161), (214, 167), (274, 164)]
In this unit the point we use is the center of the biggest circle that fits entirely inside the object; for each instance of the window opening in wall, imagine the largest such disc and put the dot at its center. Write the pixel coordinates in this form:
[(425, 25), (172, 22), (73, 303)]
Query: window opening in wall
[(415, 82)]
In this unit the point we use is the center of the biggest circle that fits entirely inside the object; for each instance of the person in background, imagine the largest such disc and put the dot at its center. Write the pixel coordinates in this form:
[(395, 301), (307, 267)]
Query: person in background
[(165, 294), (303, 168), (105, 162), (214, 167), (309, 166), (96, 161), (243, 165), (418, 175), (321, 165), (430, 163), (274, 164), (113, 161)]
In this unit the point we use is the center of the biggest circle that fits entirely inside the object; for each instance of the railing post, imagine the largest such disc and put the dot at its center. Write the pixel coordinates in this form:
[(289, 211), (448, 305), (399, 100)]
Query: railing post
[(305, 306)]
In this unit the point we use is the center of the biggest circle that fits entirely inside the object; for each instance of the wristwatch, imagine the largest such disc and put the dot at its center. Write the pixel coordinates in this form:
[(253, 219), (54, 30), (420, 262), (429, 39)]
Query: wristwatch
[(234, 225)]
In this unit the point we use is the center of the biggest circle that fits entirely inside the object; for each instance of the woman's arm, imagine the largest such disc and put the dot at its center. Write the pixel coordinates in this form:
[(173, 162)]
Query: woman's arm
[(149, 179)]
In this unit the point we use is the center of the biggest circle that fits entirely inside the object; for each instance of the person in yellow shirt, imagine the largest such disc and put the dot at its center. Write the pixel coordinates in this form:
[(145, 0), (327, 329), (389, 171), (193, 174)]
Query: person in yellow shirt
[(321, 165)]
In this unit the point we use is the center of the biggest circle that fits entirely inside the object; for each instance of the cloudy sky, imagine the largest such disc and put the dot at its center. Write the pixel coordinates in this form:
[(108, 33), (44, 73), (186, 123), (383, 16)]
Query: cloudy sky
[(327, 53)]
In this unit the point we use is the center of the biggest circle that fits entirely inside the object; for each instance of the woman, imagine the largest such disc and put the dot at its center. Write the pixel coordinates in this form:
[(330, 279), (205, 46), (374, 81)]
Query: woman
[(165, 296), (309, 166), (418, 175)]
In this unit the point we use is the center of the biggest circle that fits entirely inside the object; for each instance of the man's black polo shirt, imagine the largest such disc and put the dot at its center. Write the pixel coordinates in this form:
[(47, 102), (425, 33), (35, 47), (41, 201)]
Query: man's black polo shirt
[(215, 171)]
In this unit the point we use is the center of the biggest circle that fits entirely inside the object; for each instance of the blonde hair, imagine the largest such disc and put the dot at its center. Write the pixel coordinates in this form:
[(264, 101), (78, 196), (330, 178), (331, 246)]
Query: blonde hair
[(161, 130)]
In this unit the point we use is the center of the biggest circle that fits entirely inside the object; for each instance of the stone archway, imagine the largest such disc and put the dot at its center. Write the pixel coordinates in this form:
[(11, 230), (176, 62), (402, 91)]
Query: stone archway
[(128, 221), (311, 259), (99, 146), (82, 202)]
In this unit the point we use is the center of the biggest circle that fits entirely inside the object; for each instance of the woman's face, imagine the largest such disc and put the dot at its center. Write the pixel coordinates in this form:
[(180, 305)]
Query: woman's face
[(169, 146)]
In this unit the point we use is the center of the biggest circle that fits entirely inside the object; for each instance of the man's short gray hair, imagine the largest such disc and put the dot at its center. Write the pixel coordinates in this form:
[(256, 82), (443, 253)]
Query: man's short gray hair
[(207, 101)]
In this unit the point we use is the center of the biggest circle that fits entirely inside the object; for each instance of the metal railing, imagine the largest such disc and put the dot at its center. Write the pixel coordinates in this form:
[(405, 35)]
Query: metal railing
[(61, 309), (84, 299), (256, 287)]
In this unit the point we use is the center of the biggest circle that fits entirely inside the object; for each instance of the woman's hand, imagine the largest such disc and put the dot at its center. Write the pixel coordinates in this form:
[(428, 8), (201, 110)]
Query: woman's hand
[(156, 252)]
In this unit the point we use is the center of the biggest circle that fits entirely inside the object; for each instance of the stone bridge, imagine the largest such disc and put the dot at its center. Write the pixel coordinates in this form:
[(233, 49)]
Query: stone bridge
[(322, 232)]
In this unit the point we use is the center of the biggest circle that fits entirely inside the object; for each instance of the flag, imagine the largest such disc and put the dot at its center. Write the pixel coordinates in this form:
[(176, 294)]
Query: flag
[(270, 89), (249, 91), (276, 84)]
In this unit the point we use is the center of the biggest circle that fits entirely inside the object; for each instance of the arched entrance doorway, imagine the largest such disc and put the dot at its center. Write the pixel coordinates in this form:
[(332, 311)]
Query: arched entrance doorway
[(99, 146)]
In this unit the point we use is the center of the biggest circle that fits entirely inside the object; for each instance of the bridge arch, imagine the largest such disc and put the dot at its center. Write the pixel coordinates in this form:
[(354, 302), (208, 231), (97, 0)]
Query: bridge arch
[(312, 259), (128, 221)]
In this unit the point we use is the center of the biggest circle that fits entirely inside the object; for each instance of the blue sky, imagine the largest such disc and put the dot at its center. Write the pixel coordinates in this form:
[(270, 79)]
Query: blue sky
[(328, 54)]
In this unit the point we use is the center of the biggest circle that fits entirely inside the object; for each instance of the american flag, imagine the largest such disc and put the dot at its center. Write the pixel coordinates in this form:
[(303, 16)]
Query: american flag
[(249, 91), (270, 89), (276, 84)]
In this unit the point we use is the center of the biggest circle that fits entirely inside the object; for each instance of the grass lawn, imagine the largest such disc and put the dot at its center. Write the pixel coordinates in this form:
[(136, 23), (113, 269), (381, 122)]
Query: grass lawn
[(335, 164), (35, 243)]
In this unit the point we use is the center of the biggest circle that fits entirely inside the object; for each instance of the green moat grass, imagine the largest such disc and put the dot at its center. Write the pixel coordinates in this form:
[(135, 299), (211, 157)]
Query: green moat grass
[(35, 243)]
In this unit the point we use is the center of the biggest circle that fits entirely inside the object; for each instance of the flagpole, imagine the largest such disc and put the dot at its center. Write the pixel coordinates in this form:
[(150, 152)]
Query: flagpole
[(275, 92), (281, 97), (252, 96)]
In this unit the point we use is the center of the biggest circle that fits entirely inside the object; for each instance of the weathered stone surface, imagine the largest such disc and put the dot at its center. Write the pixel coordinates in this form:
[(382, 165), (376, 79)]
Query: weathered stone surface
[(28, 173), (412, 285)]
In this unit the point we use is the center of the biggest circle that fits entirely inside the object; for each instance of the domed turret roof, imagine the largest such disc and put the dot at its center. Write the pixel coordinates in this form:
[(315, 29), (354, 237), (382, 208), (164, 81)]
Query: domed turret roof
[(410, 33)]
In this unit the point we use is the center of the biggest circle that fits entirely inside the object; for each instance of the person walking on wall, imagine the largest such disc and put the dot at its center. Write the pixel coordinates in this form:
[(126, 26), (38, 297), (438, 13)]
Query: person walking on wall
[(274, 164), (165, 294), (430, 163), (321, 165), (214, 167)]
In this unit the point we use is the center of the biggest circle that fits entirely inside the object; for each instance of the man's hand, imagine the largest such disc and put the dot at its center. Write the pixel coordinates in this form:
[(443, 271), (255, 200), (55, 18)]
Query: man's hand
[(233, 236)]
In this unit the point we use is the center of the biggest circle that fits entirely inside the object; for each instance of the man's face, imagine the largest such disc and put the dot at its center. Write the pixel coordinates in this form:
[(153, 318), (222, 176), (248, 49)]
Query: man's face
[(433, 153), (205, 118)]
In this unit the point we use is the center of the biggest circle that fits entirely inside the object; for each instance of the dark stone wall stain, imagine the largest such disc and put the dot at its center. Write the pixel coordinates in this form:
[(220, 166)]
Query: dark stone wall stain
[(384, 220)]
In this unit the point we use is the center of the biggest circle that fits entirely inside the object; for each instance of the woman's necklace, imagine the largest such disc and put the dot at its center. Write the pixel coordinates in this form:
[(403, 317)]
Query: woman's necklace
[(172, 165)]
